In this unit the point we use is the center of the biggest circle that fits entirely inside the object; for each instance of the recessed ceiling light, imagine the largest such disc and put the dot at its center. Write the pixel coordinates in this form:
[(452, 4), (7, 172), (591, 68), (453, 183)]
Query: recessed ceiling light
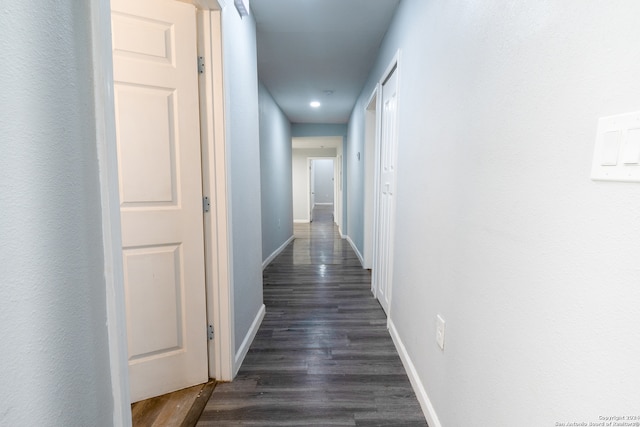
[(314, 104)]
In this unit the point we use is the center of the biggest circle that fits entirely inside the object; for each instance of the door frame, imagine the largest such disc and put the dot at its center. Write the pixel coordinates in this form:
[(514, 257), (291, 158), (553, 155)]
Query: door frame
[(309, 185), (371, 159), (222, 308), (392, 67), (102, 58), (214, 185), (337, 193)]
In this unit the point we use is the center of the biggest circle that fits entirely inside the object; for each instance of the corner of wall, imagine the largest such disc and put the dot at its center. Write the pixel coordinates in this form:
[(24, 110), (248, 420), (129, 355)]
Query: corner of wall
[(418, 387), (355, 249), (248, 339), (277, 252)]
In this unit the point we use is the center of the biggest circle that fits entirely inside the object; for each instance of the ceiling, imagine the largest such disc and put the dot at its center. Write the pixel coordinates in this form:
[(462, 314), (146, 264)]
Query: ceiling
[(309, 47)]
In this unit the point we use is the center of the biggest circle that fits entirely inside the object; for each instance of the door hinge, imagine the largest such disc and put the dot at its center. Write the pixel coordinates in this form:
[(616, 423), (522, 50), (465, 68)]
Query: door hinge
[(210, 332), (200, 64), (206, 204)]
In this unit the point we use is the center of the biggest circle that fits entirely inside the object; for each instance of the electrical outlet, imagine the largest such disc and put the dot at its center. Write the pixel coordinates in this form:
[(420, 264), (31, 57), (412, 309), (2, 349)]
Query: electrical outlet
[(440, 331)]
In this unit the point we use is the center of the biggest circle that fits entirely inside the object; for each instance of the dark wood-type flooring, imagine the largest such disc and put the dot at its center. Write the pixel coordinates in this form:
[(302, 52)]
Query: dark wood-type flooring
[(323, 355)]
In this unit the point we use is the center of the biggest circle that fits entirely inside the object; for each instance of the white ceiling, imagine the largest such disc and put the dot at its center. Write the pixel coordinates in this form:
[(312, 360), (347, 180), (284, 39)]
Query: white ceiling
[(306, 47)]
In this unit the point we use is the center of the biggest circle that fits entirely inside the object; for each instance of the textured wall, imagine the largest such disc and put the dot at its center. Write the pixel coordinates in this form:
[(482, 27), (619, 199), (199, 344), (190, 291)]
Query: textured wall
[(275, 171), (243, 139), (54, 363), (499, 228)]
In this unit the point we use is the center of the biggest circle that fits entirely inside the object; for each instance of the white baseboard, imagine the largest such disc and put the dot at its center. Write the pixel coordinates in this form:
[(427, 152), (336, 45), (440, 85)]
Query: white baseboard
[(276, 253), (301, 221), (427, 408), (323, 204), (355, 249), (248, 339)]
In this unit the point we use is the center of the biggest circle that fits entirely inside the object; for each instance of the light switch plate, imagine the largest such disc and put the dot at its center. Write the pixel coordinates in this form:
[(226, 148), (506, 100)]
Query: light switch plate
[(616, 156), (440, 331)]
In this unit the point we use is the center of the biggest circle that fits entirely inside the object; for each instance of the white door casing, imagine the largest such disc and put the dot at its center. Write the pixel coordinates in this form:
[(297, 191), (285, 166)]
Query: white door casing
[(312, 188), (336, 190), (382, 273), (158, 143), (339, 192), (371, 141), (214, 178)]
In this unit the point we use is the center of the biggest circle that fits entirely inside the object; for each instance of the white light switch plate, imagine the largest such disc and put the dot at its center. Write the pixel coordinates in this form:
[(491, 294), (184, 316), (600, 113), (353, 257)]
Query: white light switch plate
[(440, 331), (616, 156)]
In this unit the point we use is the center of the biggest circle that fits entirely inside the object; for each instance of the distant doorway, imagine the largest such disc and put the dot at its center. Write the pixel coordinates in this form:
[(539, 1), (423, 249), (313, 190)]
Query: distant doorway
[(321, 184)]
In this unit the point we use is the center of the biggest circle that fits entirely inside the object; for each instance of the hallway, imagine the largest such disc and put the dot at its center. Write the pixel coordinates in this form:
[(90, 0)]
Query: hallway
[(323, 355)]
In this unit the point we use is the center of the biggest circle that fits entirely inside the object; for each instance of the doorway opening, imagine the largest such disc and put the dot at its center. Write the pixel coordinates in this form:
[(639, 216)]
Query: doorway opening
[(321, 184), (304, 150)]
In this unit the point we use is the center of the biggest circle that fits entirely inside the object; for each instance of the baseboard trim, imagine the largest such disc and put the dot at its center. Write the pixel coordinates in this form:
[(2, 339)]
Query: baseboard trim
[(275, 253), (301, 221), (426, 405), (323, 204), (355, 249), (248, 339)]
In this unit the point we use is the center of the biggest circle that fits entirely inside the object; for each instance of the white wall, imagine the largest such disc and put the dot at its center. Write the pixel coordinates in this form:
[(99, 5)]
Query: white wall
[(275, 170), (499, 228), (54, 362), (243, 148), (301, 179), (323, 180)]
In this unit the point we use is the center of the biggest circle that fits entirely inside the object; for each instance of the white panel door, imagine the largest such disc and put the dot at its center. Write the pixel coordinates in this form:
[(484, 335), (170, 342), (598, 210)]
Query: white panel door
[(158, 137), (383, 260)]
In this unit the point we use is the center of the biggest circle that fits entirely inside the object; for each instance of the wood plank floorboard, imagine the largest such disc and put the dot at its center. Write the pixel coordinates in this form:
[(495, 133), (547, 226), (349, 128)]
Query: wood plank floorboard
[(323, 355), (180, 408)]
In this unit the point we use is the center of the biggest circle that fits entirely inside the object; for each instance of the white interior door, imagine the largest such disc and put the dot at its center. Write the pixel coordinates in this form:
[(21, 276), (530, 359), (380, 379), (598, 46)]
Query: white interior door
[(383, 260), (157, 124)]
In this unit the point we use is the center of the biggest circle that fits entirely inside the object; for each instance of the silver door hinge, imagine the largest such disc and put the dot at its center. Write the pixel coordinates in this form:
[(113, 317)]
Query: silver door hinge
[(206, 204), (210, 332), (200, 64)]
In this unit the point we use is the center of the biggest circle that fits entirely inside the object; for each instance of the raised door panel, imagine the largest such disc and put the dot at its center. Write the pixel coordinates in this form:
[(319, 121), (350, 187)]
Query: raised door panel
[(158, 141)]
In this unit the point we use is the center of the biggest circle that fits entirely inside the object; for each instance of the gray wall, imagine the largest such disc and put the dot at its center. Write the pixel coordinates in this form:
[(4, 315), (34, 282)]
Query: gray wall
[(315, 129), (243, 148), (275, 170), (54, 362), (499, 228)]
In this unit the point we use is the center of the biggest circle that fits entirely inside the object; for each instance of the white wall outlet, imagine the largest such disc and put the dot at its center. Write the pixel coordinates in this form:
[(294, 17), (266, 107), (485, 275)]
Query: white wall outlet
[(440, 331)]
